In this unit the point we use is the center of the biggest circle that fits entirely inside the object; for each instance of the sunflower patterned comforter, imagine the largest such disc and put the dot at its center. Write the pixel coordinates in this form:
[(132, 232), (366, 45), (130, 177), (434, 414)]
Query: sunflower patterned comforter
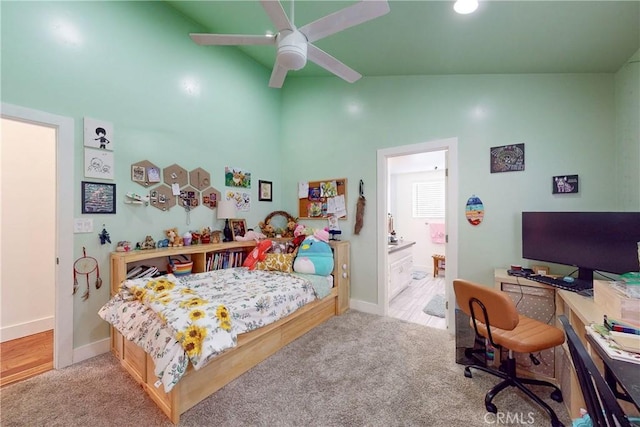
[(198, 316)]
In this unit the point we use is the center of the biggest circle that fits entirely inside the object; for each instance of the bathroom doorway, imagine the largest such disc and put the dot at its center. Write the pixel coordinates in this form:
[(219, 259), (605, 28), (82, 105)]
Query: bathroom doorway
[(403, 172)]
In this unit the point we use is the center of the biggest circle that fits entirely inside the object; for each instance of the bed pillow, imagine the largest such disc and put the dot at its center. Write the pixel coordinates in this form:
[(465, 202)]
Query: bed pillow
[(276, 262)]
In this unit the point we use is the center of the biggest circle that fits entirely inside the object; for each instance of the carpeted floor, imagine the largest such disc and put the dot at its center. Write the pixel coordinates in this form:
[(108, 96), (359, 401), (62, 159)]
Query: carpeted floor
[(354, 370)]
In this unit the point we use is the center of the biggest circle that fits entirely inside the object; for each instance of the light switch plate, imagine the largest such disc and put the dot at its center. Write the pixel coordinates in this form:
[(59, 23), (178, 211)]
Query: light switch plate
[(83, 225)]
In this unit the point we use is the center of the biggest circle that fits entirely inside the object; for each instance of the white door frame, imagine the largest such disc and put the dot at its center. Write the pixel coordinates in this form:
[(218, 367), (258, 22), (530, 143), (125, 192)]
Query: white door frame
[(65, 201), (449, 145)]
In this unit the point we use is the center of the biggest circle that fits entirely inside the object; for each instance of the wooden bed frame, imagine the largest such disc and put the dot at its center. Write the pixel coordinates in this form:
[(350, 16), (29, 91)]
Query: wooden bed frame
[(253, 347)]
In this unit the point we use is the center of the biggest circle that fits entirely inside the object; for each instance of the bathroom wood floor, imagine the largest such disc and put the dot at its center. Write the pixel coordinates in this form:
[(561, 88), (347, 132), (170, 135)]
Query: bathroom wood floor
[(408, 304)]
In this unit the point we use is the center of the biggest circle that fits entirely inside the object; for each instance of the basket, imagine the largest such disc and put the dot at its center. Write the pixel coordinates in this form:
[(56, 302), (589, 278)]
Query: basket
[(180, 268)]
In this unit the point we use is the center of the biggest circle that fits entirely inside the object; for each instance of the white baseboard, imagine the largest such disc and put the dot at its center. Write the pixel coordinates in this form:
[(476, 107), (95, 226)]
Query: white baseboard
[(365, 307), (13, 332), (91, 350)]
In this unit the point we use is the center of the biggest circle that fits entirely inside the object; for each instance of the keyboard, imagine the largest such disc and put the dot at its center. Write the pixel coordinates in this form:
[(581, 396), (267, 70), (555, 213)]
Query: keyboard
[(578, 285)]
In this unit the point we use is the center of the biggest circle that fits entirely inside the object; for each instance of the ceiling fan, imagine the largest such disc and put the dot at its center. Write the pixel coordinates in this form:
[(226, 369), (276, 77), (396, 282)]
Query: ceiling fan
[(295, 44)]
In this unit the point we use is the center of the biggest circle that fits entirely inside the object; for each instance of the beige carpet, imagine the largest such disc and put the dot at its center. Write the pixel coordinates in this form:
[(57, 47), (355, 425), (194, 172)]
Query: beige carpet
[(354, 370)]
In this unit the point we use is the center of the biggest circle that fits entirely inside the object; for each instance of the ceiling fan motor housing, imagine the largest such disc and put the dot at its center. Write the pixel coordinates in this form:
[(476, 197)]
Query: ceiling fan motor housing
[(292, 50)]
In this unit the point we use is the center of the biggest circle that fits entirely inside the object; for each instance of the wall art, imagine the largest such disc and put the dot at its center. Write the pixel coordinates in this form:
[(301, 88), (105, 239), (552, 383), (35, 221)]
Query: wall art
[(234, 177), (98, 198), (98, 134), (98, 164), (265, 189), (507, 158), (565, 184)]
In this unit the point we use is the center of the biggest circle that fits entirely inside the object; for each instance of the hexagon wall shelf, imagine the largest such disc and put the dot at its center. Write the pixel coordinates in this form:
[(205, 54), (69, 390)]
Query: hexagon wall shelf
[(210, 198), (145, 173), (189, 196)]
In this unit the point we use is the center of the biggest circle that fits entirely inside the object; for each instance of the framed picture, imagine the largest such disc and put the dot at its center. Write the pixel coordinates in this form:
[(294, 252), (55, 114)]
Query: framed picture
[(238, 228), (264, 191), (508, 158), (564, 184), (98, 198)]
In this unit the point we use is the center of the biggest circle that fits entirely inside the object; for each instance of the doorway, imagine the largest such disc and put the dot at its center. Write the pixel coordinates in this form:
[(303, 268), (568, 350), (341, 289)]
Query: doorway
[(60, 255), (416, 199), (386, 165)]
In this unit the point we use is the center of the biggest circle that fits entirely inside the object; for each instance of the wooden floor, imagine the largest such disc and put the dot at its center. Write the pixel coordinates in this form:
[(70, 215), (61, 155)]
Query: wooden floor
[(26, 357), (408, 304)]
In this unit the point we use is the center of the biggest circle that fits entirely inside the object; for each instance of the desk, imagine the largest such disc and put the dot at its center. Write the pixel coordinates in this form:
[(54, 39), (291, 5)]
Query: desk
[(582, 311)]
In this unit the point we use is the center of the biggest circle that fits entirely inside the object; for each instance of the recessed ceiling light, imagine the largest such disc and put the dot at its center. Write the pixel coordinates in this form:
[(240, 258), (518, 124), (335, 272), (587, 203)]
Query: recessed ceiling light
[(465, 7)]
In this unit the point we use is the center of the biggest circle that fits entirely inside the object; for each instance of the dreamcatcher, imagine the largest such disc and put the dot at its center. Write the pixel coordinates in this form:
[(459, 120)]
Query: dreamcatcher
[(85, 266)]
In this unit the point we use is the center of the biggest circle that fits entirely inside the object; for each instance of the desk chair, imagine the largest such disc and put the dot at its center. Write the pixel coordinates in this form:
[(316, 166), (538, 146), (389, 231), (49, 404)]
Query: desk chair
[(602, 405), (494, 317)]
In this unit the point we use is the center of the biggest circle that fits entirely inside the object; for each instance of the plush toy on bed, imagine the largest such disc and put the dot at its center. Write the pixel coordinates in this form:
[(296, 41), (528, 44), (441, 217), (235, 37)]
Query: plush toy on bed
[(314, 257), (257, 254), (251, 235)]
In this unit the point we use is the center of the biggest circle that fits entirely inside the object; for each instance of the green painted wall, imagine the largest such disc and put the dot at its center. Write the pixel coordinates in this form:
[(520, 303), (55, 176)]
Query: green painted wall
[(566, 122), (127, 63), (627, 96)]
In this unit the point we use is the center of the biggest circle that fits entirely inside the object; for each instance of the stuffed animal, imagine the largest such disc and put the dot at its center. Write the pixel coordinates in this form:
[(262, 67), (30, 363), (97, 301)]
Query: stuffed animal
[(251, 235), (175, 240), (205, 235), (257, 254), (314, 257), (164, 243), (195, 237), (300, 233), (322, 234), (123, 246), (148, 243)]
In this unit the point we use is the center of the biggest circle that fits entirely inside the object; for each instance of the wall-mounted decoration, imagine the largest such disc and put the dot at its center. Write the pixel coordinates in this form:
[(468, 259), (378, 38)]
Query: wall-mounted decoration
[(199, 178), (175, 174), (507, 158), (145, 173), (98, 198), (98, 134), (235, 177), (474, 210), (98, 164), (265, 189), (190, 197), (565, 184), (324, 198), (241, 199), (210, 198), (238, 228), (162, 197)]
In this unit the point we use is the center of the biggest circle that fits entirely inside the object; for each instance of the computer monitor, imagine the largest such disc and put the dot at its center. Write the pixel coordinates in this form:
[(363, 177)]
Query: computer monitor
[(590, 241)]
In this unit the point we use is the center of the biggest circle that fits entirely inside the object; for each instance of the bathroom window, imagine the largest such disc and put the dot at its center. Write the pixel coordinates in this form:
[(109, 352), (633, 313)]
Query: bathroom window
[(428, 199)]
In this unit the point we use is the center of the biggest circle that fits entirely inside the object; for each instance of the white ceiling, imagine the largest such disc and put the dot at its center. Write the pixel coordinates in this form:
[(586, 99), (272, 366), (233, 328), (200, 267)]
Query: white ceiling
[(428, 37)]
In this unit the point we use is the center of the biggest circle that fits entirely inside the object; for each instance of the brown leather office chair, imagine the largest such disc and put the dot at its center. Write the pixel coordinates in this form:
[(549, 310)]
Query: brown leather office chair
[(494, 316)]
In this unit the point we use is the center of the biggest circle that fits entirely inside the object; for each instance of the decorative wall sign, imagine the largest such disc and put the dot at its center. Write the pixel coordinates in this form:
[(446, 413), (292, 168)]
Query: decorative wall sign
[(565, 184), (98, 134), (474, 210), (507, 158), (98, 164), (98, 198), (234, 177)]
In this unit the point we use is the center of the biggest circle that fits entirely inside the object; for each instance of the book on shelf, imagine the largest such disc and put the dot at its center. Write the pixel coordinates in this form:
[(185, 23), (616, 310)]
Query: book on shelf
[(602, 337)]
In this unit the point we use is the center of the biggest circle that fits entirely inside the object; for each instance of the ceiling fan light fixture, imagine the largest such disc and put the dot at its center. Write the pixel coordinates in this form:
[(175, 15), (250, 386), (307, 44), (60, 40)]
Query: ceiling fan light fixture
[(292, 57), (465, 7)]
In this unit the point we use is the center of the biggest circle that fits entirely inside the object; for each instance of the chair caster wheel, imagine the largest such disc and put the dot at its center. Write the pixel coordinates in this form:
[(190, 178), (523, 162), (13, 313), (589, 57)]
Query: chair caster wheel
[(467, 373), (491, 408), (556, 395)]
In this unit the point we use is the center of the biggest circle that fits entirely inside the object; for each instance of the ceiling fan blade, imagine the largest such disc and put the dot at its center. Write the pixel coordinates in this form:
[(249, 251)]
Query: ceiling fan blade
[(277, 15), (230, 39), (331, 64), (358, 13), (277, 76)]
